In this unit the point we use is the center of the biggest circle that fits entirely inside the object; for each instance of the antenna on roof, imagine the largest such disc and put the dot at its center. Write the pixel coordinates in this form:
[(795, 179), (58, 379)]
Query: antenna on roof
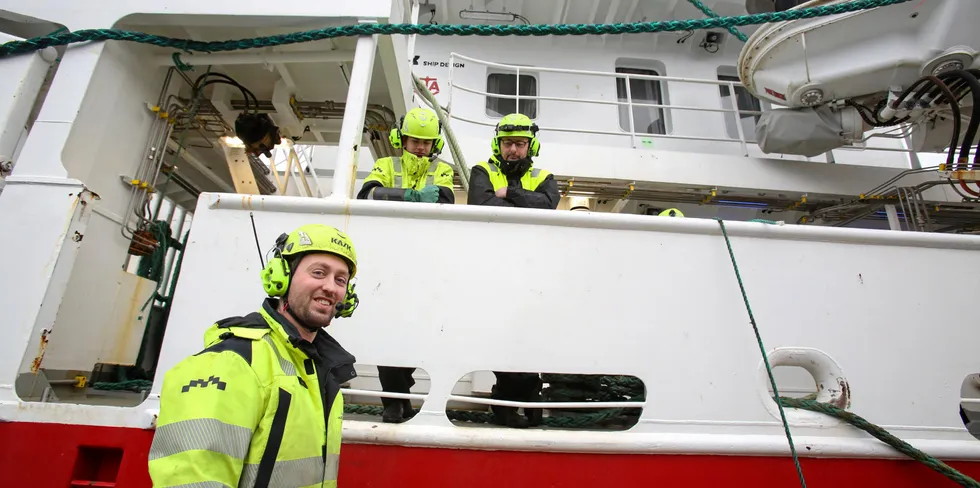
[(256, 234)]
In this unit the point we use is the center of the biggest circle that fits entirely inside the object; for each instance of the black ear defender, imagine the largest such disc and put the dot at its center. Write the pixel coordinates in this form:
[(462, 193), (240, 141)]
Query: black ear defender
[(351, 302)]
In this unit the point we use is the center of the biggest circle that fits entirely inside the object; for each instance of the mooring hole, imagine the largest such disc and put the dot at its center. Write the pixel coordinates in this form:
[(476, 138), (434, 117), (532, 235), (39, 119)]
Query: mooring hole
[(359, 404), (469, 406), (96, 466), (794, 382), (970, 404)]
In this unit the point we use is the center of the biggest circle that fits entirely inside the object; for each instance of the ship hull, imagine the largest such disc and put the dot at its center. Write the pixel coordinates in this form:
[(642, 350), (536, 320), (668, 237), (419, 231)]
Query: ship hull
[(59, 455)]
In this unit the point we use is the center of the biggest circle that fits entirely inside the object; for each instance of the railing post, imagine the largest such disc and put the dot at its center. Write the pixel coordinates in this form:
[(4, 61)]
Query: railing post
[(892, 214), (449, 104), (629, 105), (171, 253), (914, 162), (351, 133), (738, 118), (414, 19), (517, 91), (274, 167)]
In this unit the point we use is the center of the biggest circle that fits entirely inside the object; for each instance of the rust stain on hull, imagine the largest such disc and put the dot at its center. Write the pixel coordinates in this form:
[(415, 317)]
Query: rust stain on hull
[(131, 319), (36, 363), (840, 397)]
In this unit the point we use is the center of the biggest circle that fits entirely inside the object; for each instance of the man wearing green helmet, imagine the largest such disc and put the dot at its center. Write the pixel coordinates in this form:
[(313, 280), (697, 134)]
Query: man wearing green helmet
[(412, 177), (262, 401), (509, 179)]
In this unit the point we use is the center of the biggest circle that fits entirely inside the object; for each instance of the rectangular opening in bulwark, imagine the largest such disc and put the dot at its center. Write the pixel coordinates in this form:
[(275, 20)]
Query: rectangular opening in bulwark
[(568, 401)]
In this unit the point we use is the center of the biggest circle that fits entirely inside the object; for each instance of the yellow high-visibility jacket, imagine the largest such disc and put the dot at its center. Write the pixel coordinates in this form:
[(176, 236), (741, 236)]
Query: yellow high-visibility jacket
[(258, 407), (391, 176)]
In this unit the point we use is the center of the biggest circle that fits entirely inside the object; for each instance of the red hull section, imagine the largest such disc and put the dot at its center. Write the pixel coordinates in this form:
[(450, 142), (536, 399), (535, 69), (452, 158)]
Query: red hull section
[(58, 455)]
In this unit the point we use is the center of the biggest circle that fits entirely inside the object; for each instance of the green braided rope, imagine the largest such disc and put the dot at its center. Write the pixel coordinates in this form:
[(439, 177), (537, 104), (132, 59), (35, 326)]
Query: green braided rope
[(764, 221), (36, 43), (128, 385), (882, 435), (762, 348), (710, 13), (851, 418)]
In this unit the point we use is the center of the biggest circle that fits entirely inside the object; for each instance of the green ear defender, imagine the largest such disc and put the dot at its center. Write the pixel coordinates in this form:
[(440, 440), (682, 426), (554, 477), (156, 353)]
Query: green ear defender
[(419, 126), (395, 136), (275, 276)]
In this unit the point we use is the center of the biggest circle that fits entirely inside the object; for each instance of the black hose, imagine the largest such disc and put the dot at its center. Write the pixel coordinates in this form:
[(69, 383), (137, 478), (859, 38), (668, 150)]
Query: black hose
[(944, 89), (976, 102), (971, 129), (246, 93)]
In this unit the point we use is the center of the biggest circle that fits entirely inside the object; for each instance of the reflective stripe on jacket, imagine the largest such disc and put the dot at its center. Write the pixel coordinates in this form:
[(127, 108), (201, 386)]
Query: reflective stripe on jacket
[(248, 410), (529, 181)]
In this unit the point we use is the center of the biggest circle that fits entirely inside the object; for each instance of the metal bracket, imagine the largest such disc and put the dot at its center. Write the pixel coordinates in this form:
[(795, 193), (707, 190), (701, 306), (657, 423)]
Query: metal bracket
[(960, 175)]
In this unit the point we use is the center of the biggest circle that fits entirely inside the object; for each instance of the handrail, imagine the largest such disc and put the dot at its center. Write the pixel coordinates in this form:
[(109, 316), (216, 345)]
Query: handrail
[(741, 138), (607, 74), (605, 132)]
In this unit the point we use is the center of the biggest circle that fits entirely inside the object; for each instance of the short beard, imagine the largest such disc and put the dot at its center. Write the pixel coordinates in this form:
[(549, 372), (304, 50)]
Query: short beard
[(300, 310)]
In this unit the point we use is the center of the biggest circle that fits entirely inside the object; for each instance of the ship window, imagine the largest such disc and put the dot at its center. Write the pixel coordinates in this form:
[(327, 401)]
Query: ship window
[(507, 84), (646, 120), (752, 109)]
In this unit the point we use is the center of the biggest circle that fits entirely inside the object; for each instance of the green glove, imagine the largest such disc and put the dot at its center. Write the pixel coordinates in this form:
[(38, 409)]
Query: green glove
[(430, 194), (412, 195)]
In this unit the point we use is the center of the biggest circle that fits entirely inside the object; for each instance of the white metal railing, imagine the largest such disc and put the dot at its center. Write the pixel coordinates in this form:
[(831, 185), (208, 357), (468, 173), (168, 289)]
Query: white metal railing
[(491, 401), (294, 167), (632, 133)]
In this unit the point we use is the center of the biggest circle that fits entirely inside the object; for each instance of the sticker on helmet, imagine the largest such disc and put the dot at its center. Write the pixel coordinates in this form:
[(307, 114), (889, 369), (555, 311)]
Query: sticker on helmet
[(304, 240)]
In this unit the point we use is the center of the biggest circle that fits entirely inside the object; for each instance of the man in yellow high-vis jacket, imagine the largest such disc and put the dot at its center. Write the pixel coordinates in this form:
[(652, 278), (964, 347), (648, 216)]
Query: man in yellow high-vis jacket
[(413, 177), (261, 405), (509, 179)]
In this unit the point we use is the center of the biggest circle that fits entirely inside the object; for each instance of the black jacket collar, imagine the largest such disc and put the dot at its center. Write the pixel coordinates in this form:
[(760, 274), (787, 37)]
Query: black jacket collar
[(324, 349)]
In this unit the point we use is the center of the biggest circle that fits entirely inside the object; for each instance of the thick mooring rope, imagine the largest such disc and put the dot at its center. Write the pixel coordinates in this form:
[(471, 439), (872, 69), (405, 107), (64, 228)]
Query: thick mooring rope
[(882, 435), (762, 348), (812, 405)]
